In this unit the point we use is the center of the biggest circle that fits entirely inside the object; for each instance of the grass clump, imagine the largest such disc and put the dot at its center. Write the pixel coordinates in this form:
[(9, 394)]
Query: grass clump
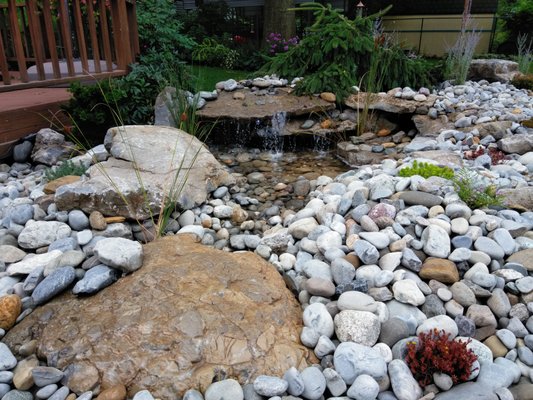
[(65, 169), (475, 193), (426, 170)]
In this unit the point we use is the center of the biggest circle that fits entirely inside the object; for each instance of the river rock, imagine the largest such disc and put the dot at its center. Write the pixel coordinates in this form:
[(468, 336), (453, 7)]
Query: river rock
[(436, 241), (42, 233), (361, 327), (96, 279), (244, 321), (123, 254), (440, 269), (353, 359), (159, 154), (10, 308), (53, 284), (403, 383)]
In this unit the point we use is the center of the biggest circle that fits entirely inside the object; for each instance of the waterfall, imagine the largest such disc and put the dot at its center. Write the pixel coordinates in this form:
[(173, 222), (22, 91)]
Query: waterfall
[(272, 134)]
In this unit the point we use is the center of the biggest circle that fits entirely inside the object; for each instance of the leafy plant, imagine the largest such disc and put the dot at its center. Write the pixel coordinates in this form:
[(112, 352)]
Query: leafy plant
[(426, 170), (514, 17), (214, 53), (66, 168), (436, 352), (336, 52), (159, 28), (474, 192)]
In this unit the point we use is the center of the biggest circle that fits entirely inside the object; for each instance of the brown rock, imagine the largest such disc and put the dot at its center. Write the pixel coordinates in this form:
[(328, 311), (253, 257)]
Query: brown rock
[(484, 332), (71, 396), (190, 313), (97, 221), (523, 391), (328, 96), (116, 392), (440, 269), (51, 187), (320, 287), (239, 96), (326, 124), (22, 377), (353, 259), (10, 309), (496, 346), (252, 110), (524, 257), (114, 220), (384, 132)]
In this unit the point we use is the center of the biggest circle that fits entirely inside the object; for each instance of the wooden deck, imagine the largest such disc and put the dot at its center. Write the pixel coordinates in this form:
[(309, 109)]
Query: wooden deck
[(23, 112)]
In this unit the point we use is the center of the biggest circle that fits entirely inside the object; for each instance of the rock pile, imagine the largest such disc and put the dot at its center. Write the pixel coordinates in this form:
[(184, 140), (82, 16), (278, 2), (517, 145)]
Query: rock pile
[(374, 259)]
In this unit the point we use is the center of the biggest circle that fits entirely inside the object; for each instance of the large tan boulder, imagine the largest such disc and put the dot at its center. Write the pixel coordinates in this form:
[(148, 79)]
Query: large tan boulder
[(147, 165), (190, 314), (493, 70)]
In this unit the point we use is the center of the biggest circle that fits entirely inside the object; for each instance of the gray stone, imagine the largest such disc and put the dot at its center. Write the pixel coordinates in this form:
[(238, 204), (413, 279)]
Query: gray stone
[(357, 301), (439, 322), (380, 186), (353, 359), (366, 252), (490, 247), (95, 279), (525, 285), (404, 385), (468, 391), (41, 233), (7, 359), (342, 271), (64, 245), (499, 303), (360, 327), (124, 254), (295, 382), (364, 388), (17, 395), (495, 375), (314, 383), (407, 291), (270, 385), (46, 391), (463, 294), (146, 395), (334, 382), (78, 220), (393, 330), (525, 355), (43, 376), (53, 284), (225, 389), (410, 260), (505, 240), (436, 241), (22, 151), (317, 317), (60, 394), (420, 198), (21, 214)]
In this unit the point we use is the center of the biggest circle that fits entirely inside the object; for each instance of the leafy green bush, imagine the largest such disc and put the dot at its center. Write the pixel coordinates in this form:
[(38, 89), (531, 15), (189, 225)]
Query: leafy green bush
[(473, 192), (337, 52), (159, 27), (515, 17), (212, 53), (65, 169), (426, 170)]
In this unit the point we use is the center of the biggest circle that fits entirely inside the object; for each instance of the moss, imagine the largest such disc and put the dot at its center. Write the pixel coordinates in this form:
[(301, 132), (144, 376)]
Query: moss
[(426, 170)]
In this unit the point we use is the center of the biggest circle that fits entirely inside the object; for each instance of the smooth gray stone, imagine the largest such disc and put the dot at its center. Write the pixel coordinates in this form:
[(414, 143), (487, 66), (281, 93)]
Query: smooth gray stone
[(494, 375), (270, 385), (4, 388), (366, 252), (64, 244), (525, 355), (314, 383), (21, 214), (364, 388), (53, 284), (468, 391), (146, 395), (46, 391), (77, 220), (248, 391), (7, 359), (6, 377), (295, 381), (60, 394), (33, 279), (96, 279), (17, 395), (403, 384), (229, 388), (43, 376), (353, 359)]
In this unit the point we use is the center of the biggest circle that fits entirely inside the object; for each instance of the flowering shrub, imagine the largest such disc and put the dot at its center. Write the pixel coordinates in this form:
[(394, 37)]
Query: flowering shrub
[(496, 156), (280, 45), (435, 352)]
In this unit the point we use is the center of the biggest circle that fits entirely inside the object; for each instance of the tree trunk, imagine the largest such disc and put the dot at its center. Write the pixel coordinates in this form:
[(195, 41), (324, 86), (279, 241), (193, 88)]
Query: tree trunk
[(278, 20)]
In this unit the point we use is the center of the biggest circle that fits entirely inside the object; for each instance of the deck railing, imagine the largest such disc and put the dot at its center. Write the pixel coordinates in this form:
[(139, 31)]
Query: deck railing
[(51, 42)]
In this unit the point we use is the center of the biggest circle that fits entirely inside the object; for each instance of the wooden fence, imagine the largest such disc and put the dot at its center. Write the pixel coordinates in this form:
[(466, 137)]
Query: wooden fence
[(51, 42)]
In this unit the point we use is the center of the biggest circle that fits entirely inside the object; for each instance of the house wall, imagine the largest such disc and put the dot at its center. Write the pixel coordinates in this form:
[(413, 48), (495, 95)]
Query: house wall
[(433, 35)]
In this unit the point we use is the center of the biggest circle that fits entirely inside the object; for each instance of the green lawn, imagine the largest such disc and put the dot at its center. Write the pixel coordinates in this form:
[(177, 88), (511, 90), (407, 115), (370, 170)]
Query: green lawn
[(207, 77)]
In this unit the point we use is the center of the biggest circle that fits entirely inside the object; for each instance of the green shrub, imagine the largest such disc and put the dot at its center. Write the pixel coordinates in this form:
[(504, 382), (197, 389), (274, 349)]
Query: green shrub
[(426, 170), (474, 192), (212, 53), (523, 81), (64, 169), (336, 52)]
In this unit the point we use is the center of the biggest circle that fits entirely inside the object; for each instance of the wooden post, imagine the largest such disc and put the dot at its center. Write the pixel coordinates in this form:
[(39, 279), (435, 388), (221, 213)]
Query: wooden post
[(3, 63), (82, 46), (105, 35), (94, 37), (17, 40), (121, 33), (66, 35), (52, 46), (36, 37)]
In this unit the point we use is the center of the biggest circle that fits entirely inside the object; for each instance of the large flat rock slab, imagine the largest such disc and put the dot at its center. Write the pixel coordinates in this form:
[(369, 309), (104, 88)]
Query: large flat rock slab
[(387, 102), (189, 315), (244, 104), (149, 165)]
